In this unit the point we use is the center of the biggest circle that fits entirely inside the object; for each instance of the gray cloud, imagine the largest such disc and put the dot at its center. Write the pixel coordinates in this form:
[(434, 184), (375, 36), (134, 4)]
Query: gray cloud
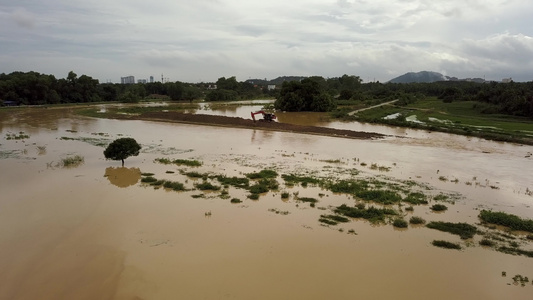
[(208, 39)]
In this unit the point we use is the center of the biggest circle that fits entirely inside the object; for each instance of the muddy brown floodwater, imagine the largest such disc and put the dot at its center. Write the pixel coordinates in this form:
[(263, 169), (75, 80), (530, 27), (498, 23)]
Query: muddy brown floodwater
[(94, 231)]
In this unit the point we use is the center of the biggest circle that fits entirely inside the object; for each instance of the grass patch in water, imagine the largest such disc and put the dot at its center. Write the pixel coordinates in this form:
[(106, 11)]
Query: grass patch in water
[(415, 198), (72, 161), (446, 244), (235, 200), (253, 196), (336, 218), (464, 230), (417, 220), (348, 186), (487, 243), (240, 182), (279, 212), (147, 174), (441, 197), (439, 207), (373, 214), (512, 221), (207, 186), (515, 251), (285, 195), (380, 196), (307, 199), (174, 185), (16, 136), (304, 180), (327, 221), (148, 179), (194, 174), (179, 162), (399, 223), (263, 174)]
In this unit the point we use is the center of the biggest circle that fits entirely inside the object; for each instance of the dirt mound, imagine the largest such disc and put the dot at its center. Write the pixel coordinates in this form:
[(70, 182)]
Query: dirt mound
[(246, 123)]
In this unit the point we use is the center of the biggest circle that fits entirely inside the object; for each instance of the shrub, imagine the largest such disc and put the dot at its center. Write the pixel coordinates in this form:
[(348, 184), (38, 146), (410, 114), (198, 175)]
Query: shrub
[(284, 195)]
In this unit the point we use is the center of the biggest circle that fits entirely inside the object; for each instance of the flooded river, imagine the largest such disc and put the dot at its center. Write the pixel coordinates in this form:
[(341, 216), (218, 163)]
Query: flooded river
[(92, 230)]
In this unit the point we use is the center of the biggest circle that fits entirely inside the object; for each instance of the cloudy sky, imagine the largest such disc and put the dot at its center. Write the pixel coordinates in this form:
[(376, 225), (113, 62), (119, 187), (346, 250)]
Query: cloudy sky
[(202, 40)]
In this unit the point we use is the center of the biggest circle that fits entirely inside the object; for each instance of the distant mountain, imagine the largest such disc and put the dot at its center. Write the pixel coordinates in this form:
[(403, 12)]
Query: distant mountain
[(423, 76)]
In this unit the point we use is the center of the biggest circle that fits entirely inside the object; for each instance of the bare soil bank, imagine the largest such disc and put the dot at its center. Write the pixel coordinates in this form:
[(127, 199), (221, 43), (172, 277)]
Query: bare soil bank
[(245, 123)]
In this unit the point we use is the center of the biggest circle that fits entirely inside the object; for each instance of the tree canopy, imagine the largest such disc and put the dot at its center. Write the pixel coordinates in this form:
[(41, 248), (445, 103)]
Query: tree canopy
[(305, 95), (122, 148)]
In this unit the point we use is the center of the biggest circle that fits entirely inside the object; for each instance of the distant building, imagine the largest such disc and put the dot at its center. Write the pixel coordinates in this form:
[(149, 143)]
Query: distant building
[(127, 80), (271, 87), (151, 79), (143, 81), (212, 87), (507, 80)]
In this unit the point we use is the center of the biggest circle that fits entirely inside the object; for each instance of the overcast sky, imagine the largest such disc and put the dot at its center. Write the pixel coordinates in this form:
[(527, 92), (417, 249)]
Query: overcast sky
[(202, 40)]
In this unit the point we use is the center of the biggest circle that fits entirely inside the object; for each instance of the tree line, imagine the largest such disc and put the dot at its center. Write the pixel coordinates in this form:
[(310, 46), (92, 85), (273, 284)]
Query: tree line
[(308, 94)]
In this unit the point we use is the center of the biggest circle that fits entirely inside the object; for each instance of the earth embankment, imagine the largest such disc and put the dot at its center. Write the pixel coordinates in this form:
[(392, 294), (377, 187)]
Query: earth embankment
[(246, 123)]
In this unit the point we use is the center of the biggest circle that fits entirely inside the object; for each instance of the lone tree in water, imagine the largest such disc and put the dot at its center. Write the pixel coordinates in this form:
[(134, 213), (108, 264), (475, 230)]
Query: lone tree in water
[(121, 149)]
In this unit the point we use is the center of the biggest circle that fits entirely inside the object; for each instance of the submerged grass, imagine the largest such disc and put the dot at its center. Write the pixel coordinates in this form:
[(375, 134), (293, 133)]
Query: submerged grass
[(373, 214), (417, 220), (207, 186), (240, 182), (416, 198), (72, 161), (446, 244), (263, 174), (439, 207), (304, 180), (179, 162), (464, 230)]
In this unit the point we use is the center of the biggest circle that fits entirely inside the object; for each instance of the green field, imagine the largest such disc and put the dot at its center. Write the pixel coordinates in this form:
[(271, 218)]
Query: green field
[(457, 117)]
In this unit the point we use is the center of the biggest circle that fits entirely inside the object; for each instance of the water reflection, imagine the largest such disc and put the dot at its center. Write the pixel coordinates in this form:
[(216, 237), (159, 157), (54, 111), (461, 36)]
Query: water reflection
[(123, 177)]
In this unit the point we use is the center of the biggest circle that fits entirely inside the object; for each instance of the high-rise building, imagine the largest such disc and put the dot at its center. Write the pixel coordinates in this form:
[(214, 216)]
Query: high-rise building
[(151, 79), (127, 80)]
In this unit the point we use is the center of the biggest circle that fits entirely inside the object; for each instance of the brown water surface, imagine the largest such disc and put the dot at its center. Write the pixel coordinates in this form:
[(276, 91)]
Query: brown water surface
[(96, 232)]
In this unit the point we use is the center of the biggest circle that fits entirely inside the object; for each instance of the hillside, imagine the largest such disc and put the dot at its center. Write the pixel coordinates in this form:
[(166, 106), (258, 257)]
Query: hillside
[(423, 76)]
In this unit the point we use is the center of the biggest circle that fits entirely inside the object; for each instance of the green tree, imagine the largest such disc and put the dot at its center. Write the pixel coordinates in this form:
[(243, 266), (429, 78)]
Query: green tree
[(306, 95), (122, 148)]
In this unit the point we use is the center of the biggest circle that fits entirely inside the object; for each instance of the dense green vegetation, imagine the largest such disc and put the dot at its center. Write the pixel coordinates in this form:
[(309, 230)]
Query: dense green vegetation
[(508, 220)]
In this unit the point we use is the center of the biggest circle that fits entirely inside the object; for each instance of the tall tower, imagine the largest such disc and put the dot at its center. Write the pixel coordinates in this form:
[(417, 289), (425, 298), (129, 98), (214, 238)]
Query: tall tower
[(162, 81)]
